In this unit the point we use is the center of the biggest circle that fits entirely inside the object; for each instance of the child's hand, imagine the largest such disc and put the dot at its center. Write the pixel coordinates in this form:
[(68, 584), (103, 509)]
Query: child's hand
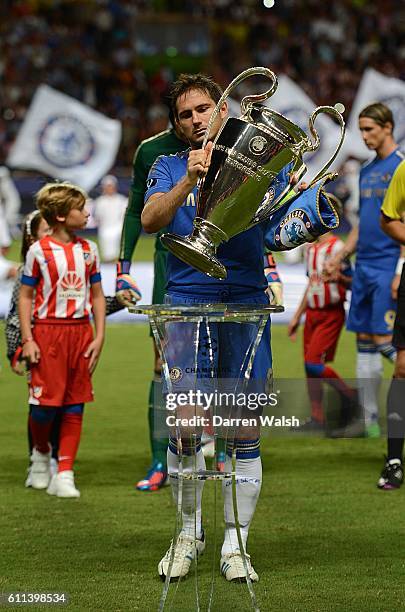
[(19, 368), (93, 353), (31, 352), (293, 328), (332, 267), (332, 276)]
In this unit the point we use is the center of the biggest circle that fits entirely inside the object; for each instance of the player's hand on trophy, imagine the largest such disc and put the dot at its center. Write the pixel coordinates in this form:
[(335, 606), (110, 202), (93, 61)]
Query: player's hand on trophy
[(294, 182), (126, 289), (198, 162)]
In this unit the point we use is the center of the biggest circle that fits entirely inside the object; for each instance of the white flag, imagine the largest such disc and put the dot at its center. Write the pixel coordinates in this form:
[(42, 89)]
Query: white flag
[(376, 87), (291, 101), (66, 139)]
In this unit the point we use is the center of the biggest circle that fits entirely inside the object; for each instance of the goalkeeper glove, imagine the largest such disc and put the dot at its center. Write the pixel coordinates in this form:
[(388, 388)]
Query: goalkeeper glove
[(275, 286), (126, 289), (275, 293)]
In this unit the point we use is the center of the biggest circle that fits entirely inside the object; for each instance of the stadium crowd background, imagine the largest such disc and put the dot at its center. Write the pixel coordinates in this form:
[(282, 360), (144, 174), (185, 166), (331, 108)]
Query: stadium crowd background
[(119, 56)]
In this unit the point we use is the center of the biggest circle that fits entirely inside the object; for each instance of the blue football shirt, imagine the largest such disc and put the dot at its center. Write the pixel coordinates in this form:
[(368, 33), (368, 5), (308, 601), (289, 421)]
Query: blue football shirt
[(374, 247), (242, 255)]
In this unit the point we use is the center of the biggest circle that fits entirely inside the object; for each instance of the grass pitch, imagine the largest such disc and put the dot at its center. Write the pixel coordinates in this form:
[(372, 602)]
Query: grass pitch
[(323, 538)]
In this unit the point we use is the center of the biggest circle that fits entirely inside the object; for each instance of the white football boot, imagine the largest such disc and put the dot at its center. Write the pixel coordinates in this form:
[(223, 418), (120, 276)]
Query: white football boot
[(233, 568), (40, 473), (63, 485), (184, 552)]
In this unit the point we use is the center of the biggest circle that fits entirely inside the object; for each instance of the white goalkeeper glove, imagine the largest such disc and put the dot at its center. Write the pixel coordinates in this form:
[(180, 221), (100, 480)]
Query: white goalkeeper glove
[(126, 289), (275, 286)]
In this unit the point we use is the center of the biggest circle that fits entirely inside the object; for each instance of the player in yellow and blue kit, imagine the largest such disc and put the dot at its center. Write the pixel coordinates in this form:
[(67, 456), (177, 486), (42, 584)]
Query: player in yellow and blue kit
[(170, 202), (372, 308), (392, 222)]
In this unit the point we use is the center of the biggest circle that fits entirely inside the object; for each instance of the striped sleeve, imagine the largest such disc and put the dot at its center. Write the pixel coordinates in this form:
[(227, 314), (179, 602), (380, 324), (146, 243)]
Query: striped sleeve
[(31, 272), (95, 273)]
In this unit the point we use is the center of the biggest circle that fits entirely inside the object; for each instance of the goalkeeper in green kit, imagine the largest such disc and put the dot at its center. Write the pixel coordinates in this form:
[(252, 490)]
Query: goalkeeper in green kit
[(127, 291)]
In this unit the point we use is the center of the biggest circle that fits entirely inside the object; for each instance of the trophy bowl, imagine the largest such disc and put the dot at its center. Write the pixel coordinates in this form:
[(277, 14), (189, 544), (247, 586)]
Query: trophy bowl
[(245, 182)]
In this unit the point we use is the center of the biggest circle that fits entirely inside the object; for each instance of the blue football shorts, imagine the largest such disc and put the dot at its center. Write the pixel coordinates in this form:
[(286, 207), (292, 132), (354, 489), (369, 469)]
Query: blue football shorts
[(372, 309), (204, 355)]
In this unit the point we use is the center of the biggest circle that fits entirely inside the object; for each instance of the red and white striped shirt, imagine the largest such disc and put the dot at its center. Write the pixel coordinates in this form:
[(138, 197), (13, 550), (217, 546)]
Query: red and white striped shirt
[(320, 293), (62, 275)]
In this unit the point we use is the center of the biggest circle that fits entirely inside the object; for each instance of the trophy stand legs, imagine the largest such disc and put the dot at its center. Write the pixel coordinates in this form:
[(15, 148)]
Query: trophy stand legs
[(198, 341)]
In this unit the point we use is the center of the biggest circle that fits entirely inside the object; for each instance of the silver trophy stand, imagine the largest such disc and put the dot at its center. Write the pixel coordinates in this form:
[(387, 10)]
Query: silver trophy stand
[(191, 341)]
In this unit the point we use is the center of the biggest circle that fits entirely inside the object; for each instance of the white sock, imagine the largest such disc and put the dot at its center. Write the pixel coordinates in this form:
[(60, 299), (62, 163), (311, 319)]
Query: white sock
[(369, 375), (192, 491), (248, 485)]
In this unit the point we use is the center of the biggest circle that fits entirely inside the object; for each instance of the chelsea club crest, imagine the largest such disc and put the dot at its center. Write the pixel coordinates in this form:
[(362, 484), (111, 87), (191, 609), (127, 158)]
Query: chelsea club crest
[(295, 229), (65, 142)]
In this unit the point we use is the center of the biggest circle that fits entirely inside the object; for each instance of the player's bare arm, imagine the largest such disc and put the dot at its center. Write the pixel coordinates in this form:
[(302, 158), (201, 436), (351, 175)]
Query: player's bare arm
[(397, 276), (160, 208), (31, 350), (296, 319), (94, 349)]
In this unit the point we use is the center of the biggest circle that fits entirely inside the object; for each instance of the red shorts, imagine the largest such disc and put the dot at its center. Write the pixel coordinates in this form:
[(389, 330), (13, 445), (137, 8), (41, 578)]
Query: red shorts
[(321, 333), (62, 375)]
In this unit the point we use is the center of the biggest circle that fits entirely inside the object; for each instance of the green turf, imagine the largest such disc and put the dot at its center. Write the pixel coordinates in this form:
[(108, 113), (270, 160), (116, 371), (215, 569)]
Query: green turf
[(323, 539)]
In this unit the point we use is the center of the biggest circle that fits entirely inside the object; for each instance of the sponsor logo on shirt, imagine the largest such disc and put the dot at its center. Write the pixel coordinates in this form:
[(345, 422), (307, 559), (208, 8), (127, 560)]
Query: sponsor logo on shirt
[(71, 287)]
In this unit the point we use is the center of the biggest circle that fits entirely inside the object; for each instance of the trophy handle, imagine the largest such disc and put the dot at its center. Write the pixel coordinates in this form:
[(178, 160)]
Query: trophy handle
[(311, 145), (247, 100), (270, 206)]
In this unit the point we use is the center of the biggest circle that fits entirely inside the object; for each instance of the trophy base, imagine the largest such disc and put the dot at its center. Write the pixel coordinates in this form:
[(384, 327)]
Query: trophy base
[(193, 253)]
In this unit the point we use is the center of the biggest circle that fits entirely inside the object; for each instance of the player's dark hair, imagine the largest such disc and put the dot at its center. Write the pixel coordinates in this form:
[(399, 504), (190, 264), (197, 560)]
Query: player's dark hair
[(379, 113), (186, 82), (29, 231)]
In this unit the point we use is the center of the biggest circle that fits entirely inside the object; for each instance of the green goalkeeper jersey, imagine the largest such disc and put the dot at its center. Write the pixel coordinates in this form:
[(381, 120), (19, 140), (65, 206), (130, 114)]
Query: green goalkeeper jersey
[(165, 143)]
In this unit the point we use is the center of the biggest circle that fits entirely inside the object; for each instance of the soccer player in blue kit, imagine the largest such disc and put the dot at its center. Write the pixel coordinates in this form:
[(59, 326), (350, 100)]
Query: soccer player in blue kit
[(372, 307), (170, 202)]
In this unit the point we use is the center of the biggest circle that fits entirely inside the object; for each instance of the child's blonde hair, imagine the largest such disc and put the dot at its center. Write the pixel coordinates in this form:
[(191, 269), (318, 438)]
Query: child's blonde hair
[(57, 200)]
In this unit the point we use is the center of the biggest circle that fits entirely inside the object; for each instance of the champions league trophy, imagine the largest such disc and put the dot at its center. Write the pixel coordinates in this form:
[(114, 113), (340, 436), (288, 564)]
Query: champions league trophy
[(189, 340), (240, 188)]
